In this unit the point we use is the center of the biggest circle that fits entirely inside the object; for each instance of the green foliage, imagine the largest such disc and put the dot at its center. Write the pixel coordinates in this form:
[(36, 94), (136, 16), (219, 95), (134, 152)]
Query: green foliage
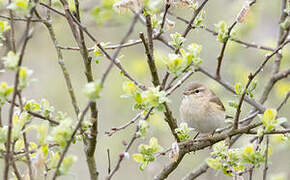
[(21, 5), (42, 133), (45, 108), (4, 26), (105, 11), (176, 63), (233, 104), (5, 91), (223, 31), (183, 132), (177, 40), (25, 77), (92, 90), (130, 89), (286, 24), (192, 54), (239, 89), (146, 153), (11, 60), (71, 5), (98, 52), (53, 160), (31, 105), (67, 163), (233, 161), (143, 126), (269, 120), (152, 97), (198, 21), (18, 124), (250, 156), (62, 133)]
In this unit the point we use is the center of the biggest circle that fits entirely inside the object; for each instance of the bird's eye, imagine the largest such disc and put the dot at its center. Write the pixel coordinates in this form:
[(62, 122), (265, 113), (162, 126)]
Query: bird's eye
[(196, 91)]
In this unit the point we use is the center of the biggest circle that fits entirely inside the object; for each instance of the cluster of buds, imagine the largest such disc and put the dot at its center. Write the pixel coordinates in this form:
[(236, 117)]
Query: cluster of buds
[(124, 5)]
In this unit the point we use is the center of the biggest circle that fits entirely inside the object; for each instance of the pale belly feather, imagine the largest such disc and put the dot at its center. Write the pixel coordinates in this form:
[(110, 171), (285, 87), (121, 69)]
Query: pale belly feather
[(203, 119)]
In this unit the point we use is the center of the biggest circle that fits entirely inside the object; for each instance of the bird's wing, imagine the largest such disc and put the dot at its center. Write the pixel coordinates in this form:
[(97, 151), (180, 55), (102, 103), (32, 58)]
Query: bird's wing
[(218, 102)]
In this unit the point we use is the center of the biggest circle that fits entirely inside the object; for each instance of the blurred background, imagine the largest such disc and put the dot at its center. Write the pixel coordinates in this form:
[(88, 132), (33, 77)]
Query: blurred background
[(261, 27)]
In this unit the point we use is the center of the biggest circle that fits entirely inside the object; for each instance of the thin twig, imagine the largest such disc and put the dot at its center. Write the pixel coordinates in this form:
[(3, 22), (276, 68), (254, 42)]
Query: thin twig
[(16, 82), (63, 67), (251, 77), (246, 44), (150, 61), (266, 160), (167, 6), (52, 9), (131, 28), (164, 173), (20, 19), (284, 101), (196, 173), (109, 161), (222, 52), (68, 143), (122, 155), (196, 12)]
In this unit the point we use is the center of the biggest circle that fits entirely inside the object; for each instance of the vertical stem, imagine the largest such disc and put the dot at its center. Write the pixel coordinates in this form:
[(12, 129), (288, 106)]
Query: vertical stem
[(266, 161), (11, 110)]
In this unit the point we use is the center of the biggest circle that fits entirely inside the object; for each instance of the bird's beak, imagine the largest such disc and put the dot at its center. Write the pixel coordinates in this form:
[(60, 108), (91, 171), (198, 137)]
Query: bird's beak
[(186, 93)]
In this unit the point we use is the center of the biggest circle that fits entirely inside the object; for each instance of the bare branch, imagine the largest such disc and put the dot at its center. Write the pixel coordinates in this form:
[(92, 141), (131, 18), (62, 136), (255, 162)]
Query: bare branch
[(246, 44), (196, 173), (284, 101), (251, 77), (131, 28), (15, 91), (266, 161)]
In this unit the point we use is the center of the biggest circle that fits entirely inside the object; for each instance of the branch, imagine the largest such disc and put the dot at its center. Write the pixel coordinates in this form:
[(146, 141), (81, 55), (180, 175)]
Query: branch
[(122, 155), (167, 6), (196, 173), (221, 55), (82, 116), (281, 75), (52, 9), (246, 44), (63, 67), (284, 101), (71, 19), (150, 61), (283, 131), (266, 161), (276, 65), (164, 173), (189, 26), (229, 87), (131, 28), (251, 77), (198, 144), (16, 82), (20, 19)]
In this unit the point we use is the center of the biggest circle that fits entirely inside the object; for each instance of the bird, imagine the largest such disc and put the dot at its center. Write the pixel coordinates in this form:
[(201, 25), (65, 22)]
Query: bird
[(201, 109)]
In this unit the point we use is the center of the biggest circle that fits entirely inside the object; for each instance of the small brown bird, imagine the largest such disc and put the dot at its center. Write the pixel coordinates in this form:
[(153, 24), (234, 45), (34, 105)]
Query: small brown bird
[(202, 109)]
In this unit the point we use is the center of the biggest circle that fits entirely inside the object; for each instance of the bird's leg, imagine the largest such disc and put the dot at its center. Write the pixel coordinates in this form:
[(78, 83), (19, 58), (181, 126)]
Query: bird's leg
[(196, 136)]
